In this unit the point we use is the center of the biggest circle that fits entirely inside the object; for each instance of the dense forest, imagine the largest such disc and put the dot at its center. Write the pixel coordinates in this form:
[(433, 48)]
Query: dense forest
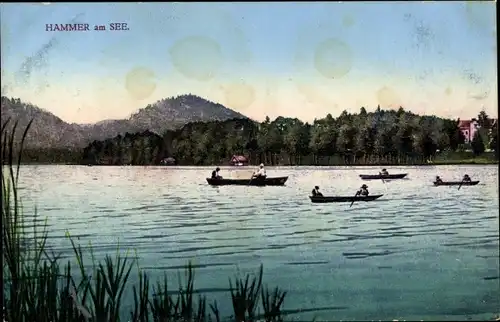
[(381, 137)]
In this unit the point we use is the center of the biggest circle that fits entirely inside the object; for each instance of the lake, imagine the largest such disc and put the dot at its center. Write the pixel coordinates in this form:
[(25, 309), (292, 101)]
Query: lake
[(420, 252)]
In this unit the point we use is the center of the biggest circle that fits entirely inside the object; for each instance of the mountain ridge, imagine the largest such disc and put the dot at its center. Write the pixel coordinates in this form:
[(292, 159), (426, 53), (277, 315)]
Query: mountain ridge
[(50, 131)]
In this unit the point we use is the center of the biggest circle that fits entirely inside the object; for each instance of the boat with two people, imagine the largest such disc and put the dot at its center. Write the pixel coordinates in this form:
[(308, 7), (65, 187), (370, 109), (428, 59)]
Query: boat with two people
[(466, 181), (258, 178), (361, 195)]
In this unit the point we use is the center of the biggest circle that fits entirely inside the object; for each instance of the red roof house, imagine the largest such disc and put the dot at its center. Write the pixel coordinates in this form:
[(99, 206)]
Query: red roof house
[(238, 160)]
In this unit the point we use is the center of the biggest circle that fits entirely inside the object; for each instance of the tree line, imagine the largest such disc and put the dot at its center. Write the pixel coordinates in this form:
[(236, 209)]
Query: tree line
[(380, 137)]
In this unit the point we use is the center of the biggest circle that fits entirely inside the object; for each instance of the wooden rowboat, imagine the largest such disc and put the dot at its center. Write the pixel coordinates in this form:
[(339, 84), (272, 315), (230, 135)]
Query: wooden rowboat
[(456, 183), (381, 176), (276, 181), (343, 198)]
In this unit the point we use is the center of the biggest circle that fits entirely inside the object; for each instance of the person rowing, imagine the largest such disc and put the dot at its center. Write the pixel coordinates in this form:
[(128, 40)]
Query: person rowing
[(466, 178), (315, 192), (363, 191), (438, 180), (384, 172), (215, 174), (261, 173)]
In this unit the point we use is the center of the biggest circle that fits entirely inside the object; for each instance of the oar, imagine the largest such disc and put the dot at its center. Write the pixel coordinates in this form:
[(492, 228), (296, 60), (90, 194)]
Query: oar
[(460, 185), (383, 181), (357, 193), (253, 177)]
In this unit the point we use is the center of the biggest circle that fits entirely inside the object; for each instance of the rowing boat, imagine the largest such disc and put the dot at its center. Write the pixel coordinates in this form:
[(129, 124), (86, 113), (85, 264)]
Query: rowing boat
[(323, 199), (381, 176), (276, 181), (456, 183)]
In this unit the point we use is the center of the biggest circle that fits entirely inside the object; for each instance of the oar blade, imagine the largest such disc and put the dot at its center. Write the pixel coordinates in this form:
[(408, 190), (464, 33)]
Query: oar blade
[(354, 199)]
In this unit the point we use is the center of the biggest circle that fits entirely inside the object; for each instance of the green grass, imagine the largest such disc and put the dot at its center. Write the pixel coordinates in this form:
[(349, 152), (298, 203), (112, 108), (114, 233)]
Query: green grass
[(39, 286), (466, 158), (478, 160), (463, 158)]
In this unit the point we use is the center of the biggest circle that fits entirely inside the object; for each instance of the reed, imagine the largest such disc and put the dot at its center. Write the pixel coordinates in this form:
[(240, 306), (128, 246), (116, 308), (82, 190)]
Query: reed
[(39, 286)]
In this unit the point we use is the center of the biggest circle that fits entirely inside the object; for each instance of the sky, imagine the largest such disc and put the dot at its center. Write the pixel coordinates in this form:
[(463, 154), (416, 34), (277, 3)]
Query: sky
[(293, 59)]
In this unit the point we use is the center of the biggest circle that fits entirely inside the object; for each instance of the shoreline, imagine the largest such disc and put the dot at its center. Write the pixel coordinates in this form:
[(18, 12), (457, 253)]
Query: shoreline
[(277, 165)]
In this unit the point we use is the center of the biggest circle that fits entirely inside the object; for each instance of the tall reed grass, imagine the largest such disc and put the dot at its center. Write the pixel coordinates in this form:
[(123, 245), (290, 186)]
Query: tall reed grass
[(39, 286)]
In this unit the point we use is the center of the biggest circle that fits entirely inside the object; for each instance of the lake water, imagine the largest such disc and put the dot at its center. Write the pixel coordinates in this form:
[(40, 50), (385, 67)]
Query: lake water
[(420, 252)]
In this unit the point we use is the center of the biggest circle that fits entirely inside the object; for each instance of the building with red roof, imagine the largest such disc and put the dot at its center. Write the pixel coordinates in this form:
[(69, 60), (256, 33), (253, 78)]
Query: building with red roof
[(238, 160)]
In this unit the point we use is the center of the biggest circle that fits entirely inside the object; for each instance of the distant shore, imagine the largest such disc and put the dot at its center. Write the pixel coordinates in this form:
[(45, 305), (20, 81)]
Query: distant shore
[(478, 161)]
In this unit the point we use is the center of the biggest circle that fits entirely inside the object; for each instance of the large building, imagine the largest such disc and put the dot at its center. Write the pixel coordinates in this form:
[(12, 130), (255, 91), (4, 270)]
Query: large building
[(468, 129)]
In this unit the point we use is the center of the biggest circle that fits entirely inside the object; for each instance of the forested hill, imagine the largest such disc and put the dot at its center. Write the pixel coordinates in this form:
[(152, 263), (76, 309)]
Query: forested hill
[(392, 137), (50, 132)]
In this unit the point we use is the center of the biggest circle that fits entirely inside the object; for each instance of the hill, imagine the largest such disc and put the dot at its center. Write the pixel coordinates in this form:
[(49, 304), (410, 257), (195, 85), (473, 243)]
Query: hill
[(49, 131)]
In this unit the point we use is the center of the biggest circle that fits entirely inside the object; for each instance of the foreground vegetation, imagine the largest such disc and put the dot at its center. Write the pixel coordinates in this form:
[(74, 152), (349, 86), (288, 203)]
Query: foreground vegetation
[(39, 286), (382, 137)]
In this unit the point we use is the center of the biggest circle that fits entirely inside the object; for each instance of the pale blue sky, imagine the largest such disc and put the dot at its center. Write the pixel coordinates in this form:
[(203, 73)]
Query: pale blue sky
[(298, 59)]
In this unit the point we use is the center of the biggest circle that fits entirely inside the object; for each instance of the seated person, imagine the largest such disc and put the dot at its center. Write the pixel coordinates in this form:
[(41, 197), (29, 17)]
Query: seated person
[(438, 180), (466, 178), (215, 174), (316, 193), (261, 173), (363, 191), (384, 172)]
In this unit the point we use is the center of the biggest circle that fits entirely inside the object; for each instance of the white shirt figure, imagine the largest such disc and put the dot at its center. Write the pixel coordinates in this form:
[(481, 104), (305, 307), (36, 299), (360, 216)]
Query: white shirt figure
[(261, 171)]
